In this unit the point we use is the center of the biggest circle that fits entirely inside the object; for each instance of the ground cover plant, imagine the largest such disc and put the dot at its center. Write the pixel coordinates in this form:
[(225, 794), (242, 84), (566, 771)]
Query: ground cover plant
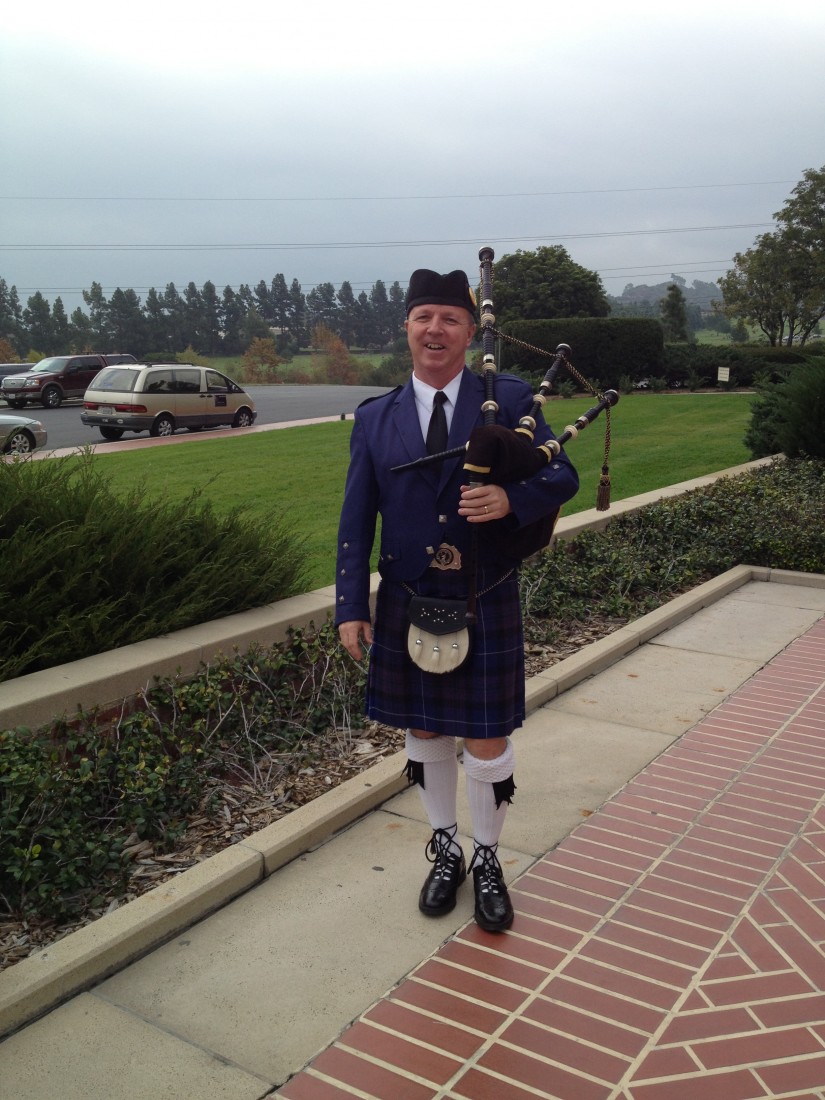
[(78, 800)]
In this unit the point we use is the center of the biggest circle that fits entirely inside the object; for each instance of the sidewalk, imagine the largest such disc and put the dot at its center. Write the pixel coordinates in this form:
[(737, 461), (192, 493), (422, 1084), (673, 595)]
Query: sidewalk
[(667, 853)]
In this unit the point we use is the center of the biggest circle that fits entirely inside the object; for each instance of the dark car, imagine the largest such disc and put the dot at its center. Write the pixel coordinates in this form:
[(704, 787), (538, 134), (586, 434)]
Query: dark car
[(51, 381)]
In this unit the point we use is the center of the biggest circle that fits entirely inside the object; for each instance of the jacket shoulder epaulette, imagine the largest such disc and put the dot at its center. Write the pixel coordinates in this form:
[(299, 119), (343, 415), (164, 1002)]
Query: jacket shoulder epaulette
[(379, 397)]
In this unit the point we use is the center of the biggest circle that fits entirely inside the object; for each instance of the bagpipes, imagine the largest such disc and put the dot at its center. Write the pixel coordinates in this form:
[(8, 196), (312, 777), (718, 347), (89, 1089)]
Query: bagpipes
[(498, 454)]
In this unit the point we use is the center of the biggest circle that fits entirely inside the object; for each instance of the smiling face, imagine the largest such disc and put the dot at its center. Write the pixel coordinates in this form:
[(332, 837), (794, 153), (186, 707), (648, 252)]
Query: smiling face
[(439, 337)]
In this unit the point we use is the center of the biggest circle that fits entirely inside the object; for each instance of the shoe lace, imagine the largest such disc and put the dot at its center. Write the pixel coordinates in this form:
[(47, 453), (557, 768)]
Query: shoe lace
[(439, 852), (490, 876)]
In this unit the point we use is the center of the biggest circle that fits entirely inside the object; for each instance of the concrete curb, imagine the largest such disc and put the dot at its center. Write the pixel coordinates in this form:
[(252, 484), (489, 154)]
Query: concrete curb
[(83, 958)]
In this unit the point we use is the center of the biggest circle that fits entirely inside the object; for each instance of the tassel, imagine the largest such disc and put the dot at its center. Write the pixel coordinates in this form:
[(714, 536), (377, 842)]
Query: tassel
[(503, 790), (603, 492), (414, 772)]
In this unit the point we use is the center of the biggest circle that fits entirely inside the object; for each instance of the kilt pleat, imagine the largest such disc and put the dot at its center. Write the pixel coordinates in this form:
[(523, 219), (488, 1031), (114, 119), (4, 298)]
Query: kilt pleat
[(485, 697)]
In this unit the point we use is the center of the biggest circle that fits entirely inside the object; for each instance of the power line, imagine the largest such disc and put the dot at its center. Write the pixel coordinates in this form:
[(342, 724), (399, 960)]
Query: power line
[(334, 245), (389, 198)]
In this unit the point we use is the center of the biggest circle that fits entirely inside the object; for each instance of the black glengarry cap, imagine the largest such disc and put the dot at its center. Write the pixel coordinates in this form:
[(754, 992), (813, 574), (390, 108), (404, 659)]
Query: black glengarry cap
[(429, 288)]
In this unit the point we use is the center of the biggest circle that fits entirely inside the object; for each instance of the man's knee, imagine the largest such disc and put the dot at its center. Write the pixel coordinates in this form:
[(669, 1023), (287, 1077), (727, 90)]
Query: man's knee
[(486, 749)]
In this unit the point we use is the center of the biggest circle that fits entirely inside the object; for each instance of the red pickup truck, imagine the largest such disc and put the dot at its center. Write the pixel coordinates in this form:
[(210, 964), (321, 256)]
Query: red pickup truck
[(51, 381)]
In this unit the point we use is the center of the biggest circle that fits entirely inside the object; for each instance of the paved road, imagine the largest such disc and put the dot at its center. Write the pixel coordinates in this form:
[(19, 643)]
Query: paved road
[(275, 404)]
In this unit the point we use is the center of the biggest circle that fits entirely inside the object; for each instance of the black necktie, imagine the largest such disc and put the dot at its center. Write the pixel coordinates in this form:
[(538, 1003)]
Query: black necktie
[(437, 431)]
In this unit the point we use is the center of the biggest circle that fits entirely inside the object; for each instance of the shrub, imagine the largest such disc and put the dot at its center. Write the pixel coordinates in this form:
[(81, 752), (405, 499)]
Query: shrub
[(261, 361), (788, 416), (683, 362), (84, 570), (189, 355)]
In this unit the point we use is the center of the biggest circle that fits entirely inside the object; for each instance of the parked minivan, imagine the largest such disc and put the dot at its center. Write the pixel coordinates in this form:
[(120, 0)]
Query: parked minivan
[(160, 399), (51, 381)]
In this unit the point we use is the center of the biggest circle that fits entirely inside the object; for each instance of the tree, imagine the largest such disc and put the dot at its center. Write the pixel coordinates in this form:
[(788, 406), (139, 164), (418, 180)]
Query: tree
[(254, 327), (775, 285), (281, 304), (231, 319), (322, 307), (263, 302), (347, 313), (80, 331), (261, 360), (210, 333), (803, 215), (11, 314), (381, 313), (674, 315), (95, 299), (530, 286), (126, 323), (156, 330), (297, 314), (365, 334), (340, 368), (8, 353), (779, 284), (37, 316), (175, 309), (194, 317), (397, 311), (60, 324)]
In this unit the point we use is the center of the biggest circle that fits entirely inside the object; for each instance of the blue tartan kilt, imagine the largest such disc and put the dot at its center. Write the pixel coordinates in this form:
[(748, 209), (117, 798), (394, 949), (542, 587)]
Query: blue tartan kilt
[(485, 697)]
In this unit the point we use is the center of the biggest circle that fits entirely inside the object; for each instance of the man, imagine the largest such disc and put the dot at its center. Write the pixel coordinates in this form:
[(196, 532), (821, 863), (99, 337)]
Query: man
[(428, 516)]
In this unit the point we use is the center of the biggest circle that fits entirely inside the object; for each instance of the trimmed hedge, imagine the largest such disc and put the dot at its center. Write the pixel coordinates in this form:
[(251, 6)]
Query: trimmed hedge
[(603, 349), (610, 350)]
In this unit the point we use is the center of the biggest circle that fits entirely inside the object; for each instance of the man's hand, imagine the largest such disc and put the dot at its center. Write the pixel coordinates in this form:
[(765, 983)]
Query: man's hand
[(351, 635), (482, 503)]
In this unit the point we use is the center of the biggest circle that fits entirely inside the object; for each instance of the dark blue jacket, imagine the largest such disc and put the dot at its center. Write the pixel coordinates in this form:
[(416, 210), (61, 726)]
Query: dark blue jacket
[(419, 508)]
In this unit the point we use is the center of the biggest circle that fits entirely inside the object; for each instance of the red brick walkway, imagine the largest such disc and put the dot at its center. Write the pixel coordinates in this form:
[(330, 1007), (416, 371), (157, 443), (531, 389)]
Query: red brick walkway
[(669, 949)]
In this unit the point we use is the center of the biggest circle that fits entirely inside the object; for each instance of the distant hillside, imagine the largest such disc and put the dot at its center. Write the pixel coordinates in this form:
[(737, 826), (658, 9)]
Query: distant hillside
[(697, 294)]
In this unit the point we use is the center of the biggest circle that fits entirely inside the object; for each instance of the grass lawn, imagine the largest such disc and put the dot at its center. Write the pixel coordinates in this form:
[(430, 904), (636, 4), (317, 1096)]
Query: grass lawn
[(657, 440)]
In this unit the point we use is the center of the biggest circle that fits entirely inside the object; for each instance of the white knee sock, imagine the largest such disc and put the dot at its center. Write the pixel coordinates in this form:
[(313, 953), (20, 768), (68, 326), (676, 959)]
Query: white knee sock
[(487, 818), (437, 755)]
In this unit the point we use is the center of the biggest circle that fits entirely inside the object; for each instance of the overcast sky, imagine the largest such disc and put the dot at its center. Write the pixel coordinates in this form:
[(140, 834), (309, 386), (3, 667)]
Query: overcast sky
[(178, 141)]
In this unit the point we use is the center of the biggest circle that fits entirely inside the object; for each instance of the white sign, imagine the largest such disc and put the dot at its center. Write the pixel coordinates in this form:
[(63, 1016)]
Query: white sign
[(723, 375)]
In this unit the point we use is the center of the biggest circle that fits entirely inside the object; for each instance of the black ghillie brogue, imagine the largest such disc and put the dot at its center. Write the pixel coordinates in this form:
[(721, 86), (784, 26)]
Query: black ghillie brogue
[(494, 910), (449, 871)]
